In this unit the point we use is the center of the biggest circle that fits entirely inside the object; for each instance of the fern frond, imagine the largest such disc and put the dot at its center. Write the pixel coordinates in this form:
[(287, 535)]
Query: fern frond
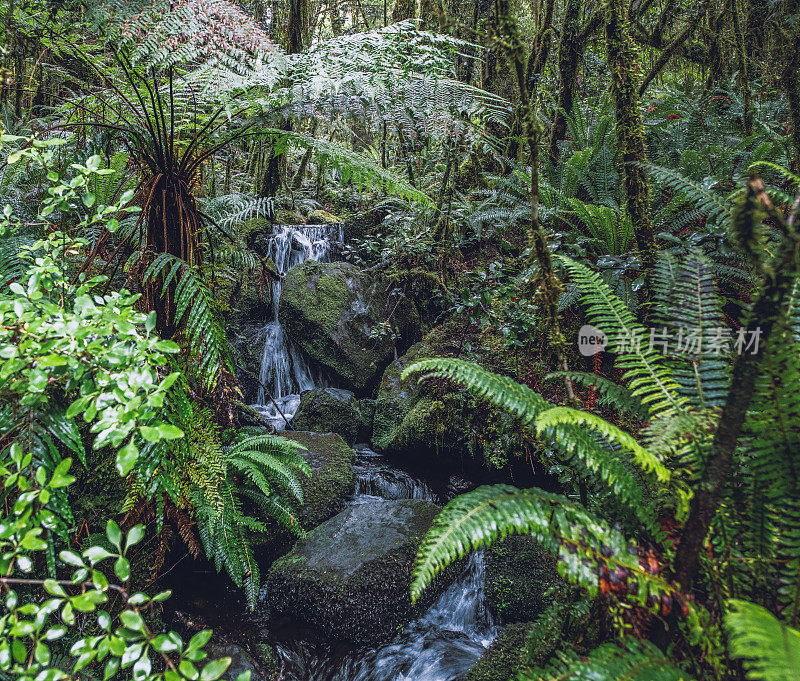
[(632, 660), (769, 649), (478, 518), (649, 379), (557, 417), (502, 391)]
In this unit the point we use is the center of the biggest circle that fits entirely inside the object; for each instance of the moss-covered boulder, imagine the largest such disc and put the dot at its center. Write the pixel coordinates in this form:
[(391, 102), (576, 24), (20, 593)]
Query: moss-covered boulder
[(323, 217), (504, 659), (329, 410), (417, 419), (518, 573), (335, 313), (332, 478), (349, 578)]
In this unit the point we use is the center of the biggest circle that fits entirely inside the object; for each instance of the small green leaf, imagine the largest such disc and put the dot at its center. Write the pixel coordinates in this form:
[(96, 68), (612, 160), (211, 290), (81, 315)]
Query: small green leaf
[(214, 669)]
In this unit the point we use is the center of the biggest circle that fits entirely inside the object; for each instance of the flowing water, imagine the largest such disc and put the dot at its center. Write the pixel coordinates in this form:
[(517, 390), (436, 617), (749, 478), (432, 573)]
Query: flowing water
[(285, 370), (441, 645)]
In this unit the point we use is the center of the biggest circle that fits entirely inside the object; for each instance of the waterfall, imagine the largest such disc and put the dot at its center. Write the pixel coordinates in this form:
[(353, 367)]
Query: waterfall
[(285, 370)]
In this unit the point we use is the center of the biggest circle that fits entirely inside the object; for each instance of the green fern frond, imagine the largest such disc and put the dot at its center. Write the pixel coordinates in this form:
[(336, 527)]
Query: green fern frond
[(645, 372), (478, 518), (716, 208), (609, 393), (502, 391), (769, 649), (575, 419), (631, 660)]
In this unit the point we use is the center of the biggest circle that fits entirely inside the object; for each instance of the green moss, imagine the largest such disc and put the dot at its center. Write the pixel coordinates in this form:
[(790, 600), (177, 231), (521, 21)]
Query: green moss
[(518, 573), (330, 310), (332, 478), (329, 410), (349, 578), (505, 657), (288, 217), (323, 217)]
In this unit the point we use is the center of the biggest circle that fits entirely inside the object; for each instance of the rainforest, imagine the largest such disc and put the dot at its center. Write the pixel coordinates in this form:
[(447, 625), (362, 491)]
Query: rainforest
[(400, 340)]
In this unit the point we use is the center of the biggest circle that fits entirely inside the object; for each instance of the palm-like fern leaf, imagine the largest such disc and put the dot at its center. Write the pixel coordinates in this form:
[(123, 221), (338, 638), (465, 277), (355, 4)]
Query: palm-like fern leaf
[(645, 372)]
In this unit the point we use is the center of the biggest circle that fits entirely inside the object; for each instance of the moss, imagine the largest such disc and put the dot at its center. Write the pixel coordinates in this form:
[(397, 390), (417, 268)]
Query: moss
[(349, 578), (329, 410), (505, 657), (331, 310), (323, 217), (288, 217), (518, 573), (332, 478)]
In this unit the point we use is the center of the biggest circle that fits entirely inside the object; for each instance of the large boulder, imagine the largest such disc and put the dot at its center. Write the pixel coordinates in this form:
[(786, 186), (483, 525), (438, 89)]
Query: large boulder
[(343, 320), (329, 410), (332, 478), (414, 418), (419, 419), (349, 578)]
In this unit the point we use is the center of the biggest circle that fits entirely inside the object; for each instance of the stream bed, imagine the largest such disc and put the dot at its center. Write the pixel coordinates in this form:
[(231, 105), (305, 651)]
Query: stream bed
[(441, 645)]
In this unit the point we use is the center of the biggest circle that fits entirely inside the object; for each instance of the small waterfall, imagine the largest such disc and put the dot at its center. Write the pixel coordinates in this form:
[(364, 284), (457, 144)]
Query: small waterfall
[(441, 645), (376, 479), (285, 370)]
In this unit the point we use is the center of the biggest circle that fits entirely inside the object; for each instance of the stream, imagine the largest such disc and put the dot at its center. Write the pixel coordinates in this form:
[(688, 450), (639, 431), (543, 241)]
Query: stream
[(441, 645)]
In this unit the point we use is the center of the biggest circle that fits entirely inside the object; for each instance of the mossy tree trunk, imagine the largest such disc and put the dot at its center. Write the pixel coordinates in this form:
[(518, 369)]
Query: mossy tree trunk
[(404, 9), (622, 64), (569, 55), (547, 287)]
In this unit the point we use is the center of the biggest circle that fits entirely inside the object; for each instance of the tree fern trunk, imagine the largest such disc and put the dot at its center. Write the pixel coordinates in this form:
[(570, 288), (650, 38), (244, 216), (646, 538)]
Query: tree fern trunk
[(630, 132)]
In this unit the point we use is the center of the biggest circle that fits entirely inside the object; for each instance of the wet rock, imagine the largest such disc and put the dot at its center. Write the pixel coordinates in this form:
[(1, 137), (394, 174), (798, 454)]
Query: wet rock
[(332, 478), (505, 658), (518, 573), (349, 578), (336, 314), (329, 410)]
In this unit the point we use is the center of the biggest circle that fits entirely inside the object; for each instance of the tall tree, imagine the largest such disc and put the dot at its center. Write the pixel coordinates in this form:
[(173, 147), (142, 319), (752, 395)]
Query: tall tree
[(622, 63)]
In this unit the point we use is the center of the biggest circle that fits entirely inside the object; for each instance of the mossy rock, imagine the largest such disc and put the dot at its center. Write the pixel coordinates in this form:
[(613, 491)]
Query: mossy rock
[(288, 217), (332, 478), (323, 217), (334, 312), (505, 658), (329, 410), (518, 573), (349, 578), (419, 419)]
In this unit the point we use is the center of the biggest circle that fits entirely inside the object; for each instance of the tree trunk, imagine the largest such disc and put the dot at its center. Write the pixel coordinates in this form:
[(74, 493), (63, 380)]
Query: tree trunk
[(630, 131), (569, 54)]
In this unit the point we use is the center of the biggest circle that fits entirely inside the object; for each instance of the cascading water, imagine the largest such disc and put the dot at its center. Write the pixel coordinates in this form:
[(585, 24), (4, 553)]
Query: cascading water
[(441, 645), (285, 371)]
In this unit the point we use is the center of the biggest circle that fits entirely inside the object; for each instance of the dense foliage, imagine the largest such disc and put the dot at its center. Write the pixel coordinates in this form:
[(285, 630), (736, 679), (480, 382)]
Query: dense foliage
[(535, 175)]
